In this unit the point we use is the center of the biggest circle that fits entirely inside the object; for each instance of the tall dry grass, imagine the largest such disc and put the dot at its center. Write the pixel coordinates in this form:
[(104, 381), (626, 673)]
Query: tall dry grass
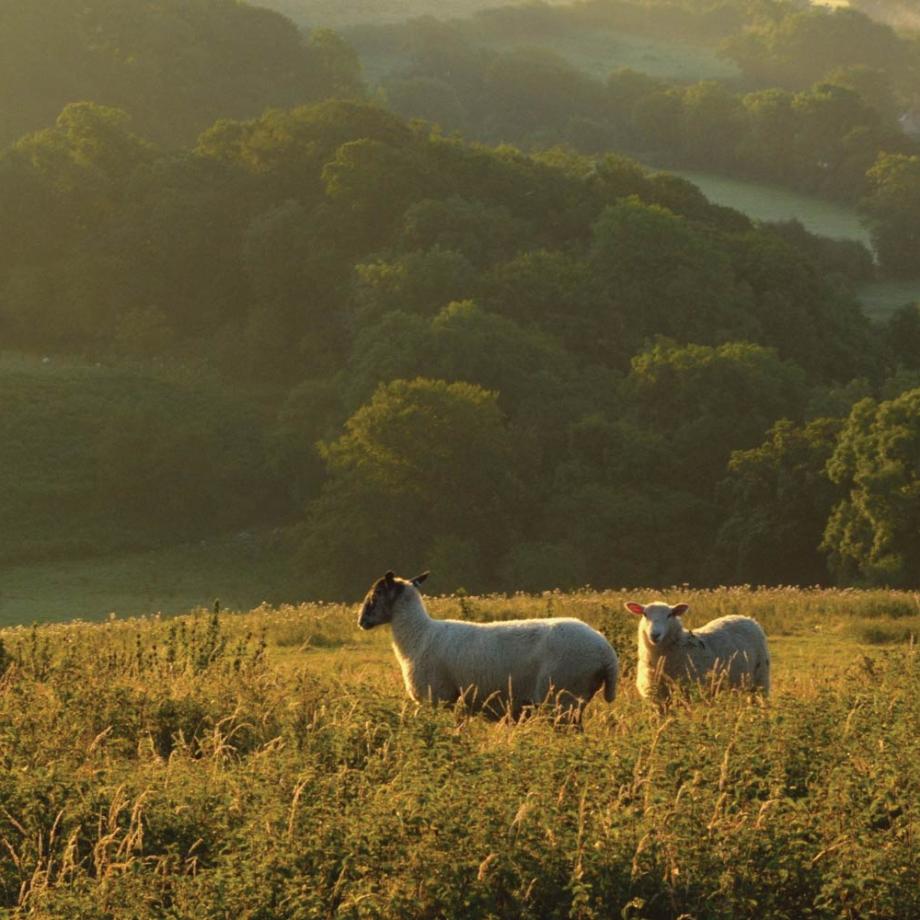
[(268, 765)]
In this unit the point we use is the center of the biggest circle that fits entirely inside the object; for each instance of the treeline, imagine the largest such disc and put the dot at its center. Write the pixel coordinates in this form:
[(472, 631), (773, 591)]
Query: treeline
[(174, 66), (820, 140), (775, 43), (792, 46), (821, 119), (525, 371)]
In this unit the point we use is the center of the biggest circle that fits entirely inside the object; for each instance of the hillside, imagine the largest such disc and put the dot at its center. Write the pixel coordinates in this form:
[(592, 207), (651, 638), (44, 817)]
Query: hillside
[(269, 765), (517, 365), (173, 66), (380, 287), (98, 459)]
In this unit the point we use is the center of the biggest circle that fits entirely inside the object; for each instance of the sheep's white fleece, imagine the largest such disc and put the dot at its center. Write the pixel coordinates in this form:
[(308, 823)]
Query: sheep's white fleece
[(512, 664), (735, 646)]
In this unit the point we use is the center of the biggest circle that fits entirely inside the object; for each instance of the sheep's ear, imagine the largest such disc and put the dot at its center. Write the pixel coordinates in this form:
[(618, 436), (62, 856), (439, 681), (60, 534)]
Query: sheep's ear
[(637, 609), (678, 610), (389, 578), (420, 578)]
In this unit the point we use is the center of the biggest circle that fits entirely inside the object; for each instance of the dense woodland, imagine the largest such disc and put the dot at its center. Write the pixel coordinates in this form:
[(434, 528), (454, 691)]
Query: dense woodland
[(815, 104), (523, 369)]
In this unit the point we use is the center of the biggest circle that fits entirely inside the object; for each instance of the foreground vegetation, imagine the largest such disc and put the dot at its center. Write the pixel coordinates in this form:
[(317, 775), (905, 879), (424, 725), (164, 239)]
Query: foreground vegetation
[(267, 765)]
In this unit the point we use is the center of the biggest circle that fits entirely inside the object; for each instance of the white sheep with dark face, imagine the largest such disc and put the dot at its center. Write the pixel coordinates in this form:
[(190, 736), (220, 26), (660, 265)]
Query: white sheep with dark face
[(500, 668), (727, 652)]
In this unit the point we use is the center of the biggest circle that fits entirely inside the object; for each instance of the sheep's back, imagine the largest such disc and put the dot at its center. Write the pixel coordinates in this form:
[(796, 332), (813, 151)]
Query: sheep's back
[(522, 651), (727, 636)]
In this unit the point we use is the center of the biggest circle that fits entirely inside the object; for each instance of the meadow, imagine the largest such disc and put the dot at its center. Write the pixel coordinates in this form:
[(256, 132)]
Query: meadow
[(596, 52), (93, 455), (880, 299), (766, 202), (338, 14), (600, 52), (268, 765), (835, 220), (240, 569)]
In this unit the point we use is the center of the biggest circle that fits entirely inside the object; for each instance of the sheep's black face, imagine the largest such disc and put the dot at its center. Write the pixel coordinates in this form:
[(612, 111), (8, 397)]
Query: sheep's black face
[(378, 604)]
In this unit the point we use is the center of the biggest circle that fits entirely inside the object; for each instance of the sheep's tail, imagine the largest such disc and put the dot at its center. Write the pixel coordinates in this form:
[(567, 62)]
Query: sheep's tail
[(611, 675)]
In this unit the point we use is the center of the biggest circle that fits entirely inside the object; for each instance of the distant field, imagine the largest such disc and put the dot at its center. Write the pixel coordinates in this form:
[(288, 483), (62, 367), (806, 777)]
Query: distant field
[(101, 467), (600, 52), (337, 14), (881, 298), (770, 202), (597, 53), (268, 765), (826, 218), (241, 570)]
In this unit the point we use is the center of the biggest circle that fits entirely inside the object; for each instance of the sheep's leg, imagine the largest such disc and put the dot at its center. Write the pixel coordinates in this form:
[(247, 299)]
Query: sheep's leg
[(543, 693), (762, 676)]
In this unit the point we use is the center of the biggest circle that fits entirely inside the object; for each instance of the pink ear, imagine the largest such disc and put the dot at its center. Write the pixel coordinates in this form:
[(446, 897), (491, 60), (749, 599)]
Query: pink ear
[(679, 610), (637, 609)]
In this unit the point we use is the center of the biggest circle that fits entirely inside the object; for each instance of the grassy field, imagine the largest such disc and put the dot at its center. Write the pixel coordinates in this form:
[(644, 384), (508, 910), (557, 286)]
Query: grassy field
[(825, 218), (881, 298), (241, 570), (338, 14), (762, 201), (595, 52), (100, 462), (268, 765), (598, 53)]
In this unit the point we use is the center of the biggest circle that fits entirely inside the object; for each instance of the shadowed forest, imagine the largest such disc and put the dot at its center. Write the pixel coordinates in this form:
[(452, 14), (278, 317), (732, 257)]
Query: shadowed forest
[(257, 287)]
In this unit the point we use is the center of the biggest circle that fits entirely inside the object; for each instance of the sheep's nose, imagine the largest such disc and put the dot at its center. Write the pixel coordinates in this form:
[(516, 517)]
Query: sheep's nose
[(655, 637)]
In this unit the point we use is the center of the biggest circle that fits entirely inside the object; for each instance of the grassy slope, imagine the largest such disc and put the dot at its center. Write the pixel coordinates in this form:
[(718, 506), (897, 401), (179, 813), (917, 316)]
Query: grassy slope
[(772, 203), (599, 52), (50, 417), (881, 298), (73, 433), (337, 14), (181, 769)]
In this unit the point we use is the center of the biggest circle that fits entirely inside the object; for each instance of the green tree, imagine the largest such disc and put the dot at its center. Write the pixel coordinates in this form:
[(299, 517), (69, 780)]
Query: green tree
[(526, 367), (837, 139), (295, 322), (424, 460), (373, 183), (555, 291), (770, 131), (481, 232), (661, 276), (798, 47), (175, 65), (893, 208), (533, 93), (312, 412), (873, 534), (777, 498), (418, 282), (902, 337), (799, 312), (429, 98), (694, 404), (711, 125)]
